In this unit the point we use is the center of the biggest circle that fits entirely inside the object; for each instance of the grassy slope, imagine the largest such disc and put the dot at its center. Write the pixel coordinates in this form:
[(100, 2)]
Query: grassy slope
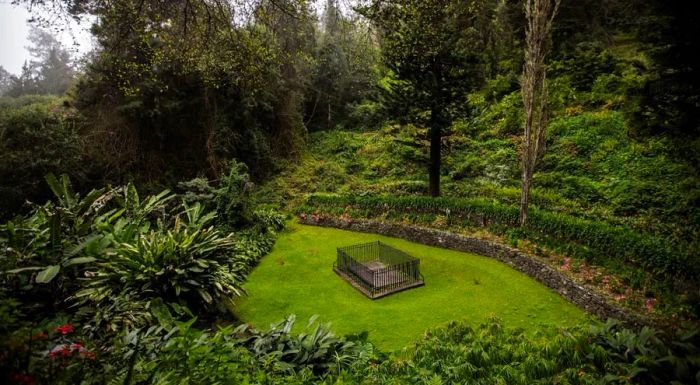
[(592, 169), (296, 278), (596, 166), (597, 163)]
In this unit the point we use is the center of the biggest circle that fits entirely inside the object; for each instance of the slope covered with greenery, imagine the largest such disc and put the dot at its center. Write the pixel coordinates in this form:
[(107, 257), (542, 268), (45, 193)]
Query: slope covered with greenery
[(141, 185)]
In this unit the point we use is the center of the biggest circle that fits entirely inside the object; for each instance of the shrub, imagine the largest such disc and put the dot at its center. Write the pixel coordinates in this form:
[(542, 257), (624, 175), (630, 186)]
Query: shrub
[(36, 138), (649, 356), (231, 199), (494, 354), (365, 115), (173, 351), (43, 253), (320, 351), (189, 263), (232, 202), (113, 253), (649, 252), (588, 61)]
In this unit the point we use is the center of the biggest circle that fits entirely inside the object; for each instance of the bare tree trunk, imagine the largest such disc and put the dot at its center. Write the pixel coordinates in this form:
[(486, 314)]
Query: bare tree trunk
[(328, 121), (524, 198), (540, 16)]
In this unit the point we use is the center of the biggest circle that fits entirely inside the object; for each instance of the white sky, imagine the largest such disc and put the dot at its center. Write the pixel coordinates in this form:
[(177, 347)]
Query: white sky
[(14, 30)]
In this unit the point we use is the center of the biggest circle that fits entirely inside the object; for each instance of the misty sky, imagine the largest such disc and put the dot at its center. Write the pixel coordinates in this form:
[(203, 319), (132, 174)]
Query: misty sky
[(13, 37), (14, 30)]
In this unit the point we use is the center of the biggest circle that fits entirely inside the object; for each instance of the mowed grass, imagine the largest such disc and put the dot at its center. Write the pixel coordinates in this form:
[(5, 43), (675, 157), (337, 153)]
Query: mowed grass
[(297, 278)]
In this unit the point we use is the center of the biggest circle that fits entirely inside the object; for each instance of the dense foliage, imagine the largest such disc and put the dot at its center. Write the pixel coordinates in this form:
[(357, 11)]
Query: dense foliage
[(121, 267), (493, 354), (110, 245), (39, 135), (211, 97)]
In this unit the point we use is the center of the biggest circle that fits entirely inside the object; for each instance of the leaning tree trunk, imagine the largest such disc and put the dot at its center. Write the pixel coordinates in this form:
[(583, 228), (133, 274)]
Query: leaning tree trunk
[(435, 142), (539, 15)]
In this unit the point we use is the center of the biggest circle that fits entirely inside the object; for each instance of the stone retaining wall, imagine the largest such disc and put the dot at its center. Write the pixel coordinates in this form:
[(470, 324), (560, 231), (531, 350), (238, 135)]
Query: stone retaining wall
[(584, 298)]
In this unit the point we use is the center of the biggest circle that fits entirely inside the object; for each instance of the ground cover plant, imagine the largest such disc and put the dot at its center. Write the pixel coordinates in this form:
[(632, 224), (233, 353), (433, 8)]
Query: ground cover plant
[(179, 147), (491, 353), (296, 277)]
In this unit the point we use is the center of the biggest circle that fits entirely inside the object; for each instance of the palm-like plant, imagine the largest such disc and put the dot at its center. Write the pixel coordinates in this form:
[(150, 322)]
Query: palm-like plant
[(190, 262), (112, 254)]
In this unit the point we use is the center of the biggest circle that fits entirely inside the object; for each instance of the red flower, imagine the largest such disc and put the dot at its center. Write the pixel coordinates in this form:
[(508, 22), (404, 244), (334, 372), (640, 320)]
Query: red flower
[(23, 379), (64, 329), (88, 354)]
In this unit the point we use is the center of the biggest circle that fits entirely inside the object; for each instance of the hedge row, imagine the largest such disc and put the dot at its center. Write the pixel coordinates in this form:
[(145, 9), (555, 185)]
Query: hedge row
[(656, 254)]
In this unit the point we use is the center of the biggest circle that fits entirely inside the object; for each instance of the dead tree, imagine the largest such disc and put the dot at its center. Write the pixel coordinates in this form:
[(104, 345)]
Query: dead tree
[(540, 16)]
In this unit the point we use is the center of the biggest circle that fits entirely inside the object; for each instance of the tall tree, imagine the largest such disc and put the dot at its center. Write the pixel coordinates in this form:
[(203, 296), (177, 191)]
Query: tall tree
[(434, 50), (291, 23), (5, 80), (23, 84), (670, 99), (50, 71), (346, 67), (52, 62), (539, 16)]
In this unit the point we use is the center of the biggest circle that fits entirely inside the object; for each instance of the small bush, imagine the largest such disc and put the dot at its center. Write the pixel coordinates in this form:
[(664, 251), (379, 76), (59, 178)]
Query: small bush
[(231, 199)]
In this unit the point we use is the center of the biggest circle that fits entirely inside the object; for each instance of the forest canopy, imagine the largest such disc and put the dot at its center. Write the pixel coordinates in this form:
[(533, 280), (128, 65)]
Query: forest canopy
[(141, 184)]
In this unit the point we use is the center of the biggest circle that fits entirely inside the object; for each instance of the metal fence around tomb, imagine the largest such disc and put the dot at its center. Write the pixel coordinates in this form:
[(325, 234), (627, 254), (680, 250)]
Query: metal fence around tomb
[(378, 269)]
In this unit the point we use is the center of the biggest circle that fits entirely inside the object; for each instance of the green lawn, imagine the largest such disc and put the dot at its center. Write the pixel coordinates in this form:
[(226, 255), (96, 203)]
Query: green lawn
[(297, 278)]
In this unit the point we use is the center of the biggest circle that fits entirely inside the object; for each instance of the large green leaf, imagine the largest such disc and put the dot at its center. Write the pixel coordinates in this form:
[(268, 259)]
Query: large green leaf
[(23, 269), (205, 296), (54, 184), (62, 189), (46, 275), (55, 223), (78, 261)]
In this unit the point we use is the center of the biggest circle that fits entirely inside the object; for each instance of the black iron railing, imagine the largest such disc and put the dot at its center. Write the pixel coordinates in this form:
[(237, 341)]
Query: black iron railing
[(378, 269)]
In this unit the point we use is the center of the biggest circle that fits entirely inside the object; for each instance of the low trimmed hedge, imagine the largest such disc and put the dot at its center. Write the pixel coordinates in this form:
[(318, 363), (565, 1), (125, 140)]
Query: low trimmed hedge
[(653, 253)]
